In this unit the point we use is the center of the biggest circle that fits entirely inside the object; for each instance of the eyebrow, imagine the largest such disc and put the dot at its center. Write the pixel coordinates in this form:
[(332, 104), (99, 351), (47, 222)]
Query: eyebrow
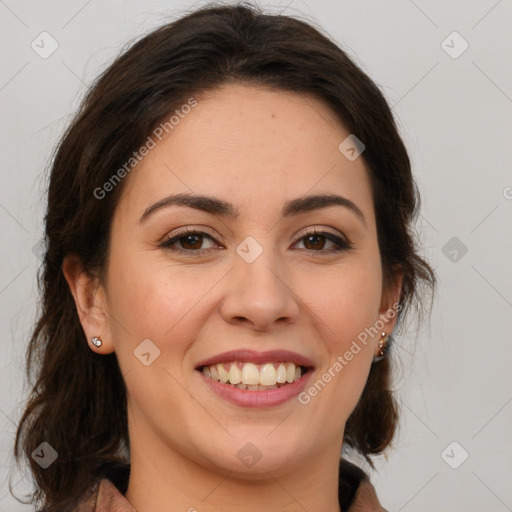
[(216, 206)]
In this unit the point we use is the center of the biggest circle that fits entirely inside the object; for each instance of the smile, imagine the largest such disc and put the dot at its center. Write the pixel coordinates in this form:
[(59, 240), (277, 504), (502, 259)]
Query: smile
[(246, 389), (255, 377)]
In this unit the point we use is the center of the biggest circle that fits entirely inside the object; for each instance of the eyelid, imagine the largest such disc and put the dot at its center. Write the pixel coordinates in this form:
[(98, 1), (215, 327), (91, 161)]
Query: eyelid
[(315, 229), (192, 230), (341, 242), (308, 230)]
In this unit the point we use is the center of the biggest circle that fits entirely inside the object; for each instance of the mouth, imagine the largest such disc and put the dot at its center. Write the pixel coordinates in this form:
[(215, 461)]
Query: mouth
[(258, 386), (255, 377), (255, 371)]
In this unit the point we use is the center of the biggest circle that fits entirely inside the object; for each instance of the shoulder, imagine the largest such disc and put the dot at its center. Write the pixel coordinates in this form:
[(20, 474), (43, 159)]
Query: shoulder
[(88, 501), (104, 496), (356, 494)]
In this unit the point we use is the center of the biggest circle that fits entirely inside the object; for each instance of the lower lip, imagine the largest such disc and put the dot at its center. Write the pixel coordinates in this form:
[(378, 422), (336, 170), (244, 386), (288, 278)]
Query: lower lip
[(256, 398)]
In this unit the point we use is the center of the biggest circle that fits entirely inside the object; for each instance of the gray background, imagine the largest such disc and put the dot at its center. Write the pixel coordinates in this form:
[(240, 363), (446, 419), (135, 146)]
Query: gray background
[(453, 374)]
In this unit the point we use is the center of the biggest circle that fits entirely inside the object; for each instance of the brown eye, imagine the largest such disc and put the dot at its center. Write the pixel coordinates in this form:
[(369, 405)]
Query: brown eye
[(316, 241), (192, 242), (188, 241)]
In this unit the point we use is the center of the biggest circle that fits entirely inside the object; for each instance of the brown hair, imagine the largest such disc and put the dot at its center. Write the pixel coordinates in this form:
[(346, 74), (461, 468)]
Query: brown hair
[(78, 399)]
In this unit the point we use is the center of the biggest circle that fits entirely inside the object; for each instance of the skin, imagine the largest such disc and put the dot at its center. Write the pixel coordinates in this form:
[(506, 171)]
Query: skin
[(256, 148)]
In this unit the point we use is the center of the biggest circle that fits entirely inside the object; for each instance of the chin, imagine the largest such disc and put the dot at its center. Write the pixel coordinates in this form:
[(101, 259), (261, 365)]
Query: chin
[(255, 455)]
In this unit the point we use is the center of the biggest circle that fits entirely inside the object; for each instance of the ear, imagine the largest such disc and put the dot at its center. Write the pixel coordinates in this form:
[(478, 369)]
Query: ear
[(90, 302), (389, 306)]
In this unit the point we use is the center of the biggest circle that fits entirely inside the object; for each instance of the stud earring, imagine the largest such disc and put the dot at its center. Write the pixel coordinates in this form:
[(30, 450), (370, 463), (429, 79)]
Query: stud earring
[(96, 341), (383, 346)]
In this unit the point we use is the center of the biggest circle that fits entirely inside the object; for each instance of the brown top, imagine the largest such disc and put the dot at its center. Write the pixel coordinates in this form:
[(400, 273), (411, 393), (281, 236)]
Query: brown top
[(356, 494)]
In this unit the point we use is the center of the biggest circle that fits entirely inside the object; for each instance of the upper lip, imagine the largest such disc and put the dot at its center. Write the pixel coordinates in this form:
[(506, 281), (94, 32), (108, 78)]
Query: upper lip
[(252, 356)]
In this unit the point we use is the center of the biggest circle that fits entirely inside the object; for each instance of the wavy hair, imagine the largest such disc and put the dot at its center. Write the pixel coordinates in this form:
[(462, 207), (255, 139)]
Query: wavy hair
[(77, 402)]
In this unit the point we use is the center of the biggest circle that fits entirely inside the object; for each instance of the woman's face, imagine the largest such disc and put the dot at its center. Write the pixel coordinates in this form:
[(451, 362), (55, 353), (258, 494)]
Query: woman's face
[(262, 282)]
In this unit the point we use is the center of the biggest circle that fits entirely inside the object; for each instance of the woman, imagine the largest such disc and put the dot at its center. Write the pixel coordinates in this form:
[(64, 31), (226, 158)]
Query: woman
[(228, 253)]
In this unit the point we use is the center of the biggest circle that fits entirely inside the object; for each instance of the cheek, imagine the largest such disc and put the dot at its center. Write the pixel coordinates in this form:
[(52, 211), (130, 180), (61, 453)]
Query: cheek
[(151, 302), (345, 298), (149, 298), (345, 305)]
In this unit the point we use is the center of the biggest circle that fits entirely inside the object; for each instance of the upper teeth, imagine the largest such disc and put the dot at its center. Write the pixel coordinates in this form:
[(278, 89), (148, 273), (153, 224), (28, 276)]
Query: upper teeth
[(267, 374)]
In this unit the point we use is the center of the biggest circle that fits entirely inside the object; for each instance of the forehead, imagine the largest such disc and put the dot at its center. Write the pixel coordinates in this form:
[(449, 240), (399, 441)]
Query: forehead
[(253, 146)]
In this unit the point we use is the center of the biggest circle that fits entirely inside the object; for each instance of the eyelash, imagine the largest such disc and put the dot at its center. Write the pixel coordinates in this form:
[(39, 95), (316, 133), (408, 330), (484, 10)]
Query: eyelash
[(342, 245)]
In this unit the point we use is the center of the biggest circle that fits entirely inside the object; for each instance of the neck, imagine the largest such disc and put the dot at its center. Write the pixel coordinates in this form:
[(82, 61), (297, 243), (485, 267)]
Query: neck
[(164, 480)]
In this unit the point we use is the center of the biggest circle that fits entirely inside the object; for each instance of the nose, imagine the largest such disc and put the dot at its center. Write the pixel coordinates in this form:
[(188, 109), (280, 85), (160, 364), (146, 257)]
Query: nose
[(260, 294)]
